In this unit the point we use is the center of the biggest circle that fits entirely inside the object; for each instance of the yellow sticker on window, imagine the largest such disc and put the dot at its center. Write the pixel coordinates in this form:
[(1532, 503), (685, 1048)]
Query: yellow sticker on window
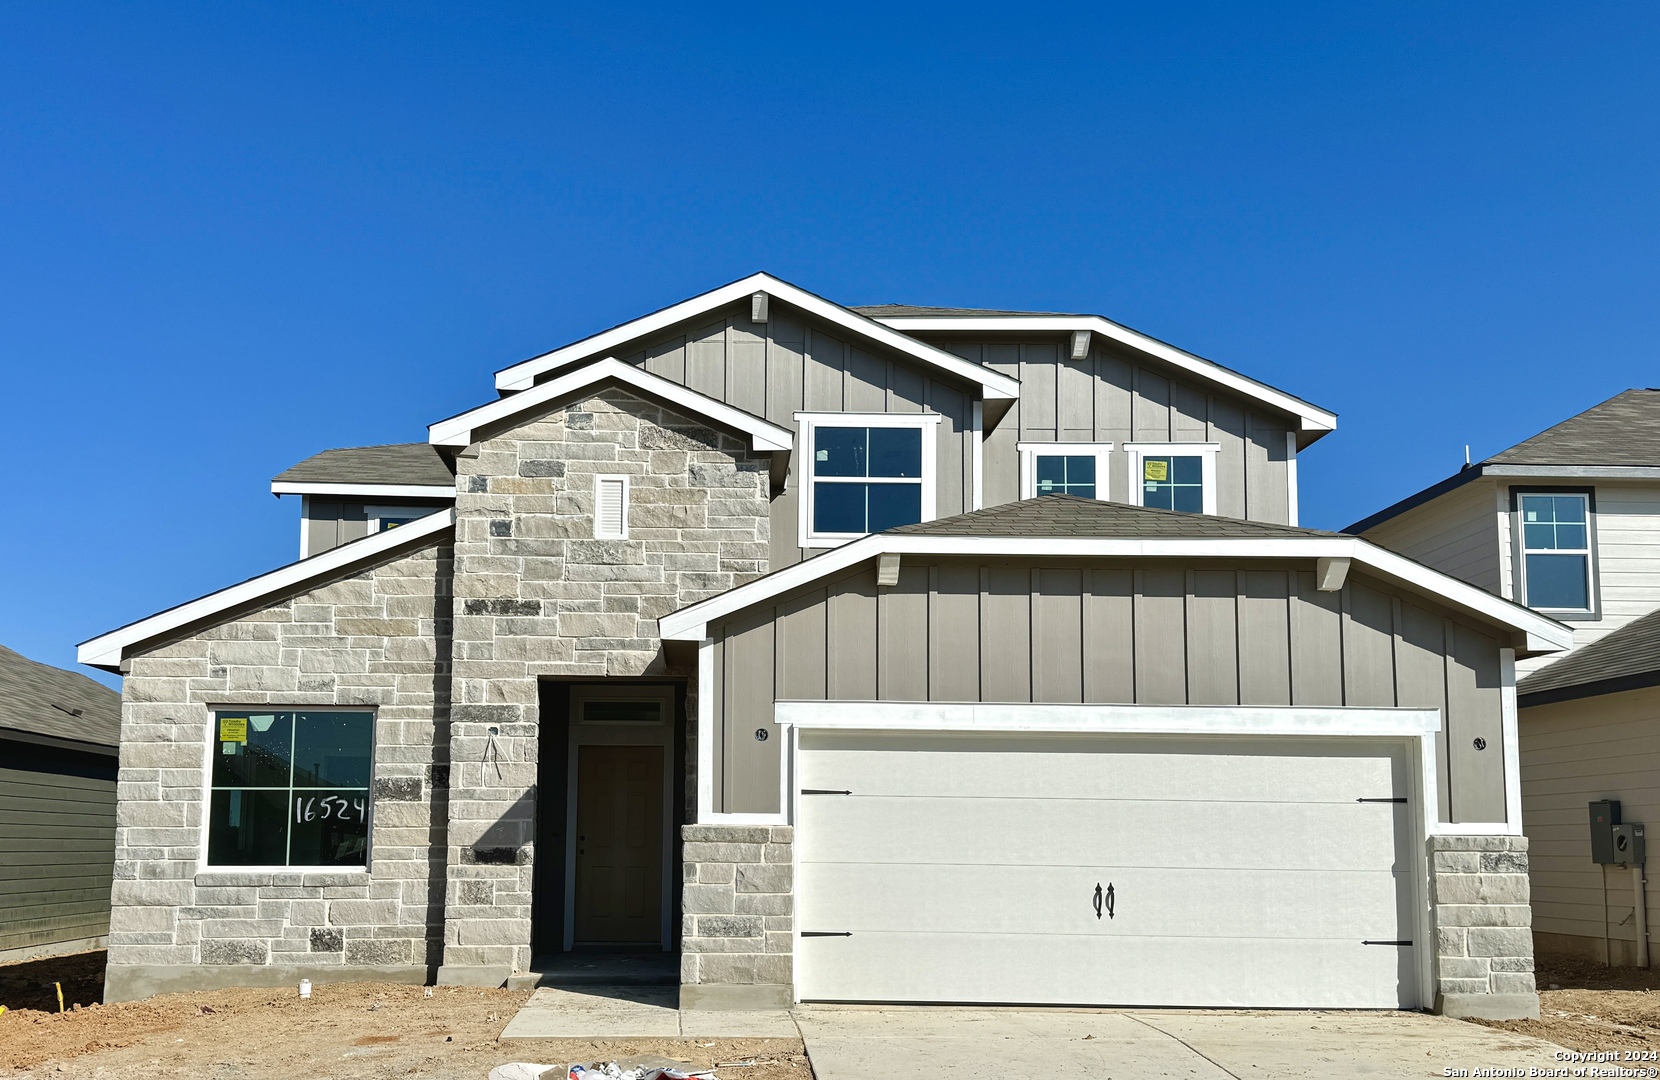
[(233, 729), (1155, 470)]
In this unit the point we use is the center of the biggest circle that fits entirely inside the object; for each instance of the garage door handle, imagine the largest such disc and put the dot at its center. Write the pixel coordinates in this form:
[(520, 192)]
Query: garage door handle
[(822, 791), (1103, 900), (1386, 943), (827, 933), (1400, 799)]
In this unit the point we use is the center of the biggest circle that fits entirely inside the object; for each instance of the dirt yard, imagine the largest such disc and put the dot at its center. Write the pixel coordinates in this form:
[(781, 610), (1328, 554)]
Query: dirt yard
[(350, 1030), (1593, 1007)]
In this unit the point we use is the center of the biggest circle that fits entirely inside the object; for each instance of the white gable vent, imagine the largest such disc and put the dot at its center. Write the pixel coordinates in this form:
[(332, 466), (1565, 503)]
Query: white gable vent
[(610, 508)]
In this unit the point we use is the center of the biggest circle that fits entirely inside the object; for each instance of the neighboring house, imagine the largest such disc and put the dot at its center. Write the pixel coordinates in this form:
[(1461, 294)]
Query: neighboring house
[(59, 731), (1569, 523), (741, 636)]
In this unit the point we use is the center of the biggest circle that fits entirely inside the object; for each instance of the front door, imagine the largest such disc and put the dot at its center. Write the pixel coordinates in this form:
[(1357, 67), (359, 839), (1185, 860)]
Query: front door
[(619, 844)]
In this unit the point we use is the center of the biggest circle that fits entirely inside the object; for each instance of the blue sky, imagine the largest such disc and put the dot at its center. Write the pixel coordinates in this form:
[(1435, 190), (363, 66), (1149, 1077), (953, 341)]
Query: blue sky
[(234, 235)]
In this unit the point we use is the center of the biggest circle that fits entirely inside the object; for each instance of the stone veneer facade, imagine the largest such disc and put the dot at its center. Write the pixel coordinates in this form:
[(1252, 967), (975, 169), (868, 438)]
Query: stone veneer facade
[(379, 638), (738, 916), (1483, 927), (537, 596)]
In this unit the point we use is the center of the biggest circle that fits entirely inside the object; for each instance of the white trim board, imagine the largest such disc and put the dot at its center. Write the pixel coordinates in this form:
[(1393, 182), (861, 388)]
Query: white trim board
[(380, 491), (461, 430), (108, 651), (1313, 421), (1543, 634), (522, 376)]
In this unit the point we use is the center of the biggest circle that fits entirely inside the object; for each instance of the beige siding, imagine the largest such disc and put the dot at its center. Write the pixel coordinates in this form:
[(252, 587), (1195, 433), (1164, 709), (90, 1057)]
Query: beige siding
[(1104, 632), (57, 857), (1574, 752), (1457, 534), (793, 364), (1109, 397)]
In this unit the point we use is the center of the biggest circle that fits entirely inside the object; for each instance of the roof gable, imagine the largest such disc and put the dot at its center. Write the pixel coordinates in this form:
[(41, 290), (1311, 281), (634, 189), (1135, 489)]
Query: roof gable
[(1072, 527), (523, 376), (462, 430), (1312, 421)]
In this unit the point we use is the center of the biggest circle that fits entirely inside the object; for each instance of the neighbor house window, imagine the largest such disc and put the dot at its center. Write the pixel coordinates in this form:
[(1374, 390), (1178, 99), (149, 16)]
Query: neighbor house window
[(1556, 550), (290, 788), (382, 518), (1064, 469), (864, 473), (1173, 476)]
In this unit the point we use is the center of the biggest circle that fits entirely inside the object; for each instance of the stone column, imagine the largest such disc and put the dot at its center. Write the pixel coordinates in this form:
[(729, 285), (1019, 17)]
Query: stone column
[(737, 942), (1483, 927)]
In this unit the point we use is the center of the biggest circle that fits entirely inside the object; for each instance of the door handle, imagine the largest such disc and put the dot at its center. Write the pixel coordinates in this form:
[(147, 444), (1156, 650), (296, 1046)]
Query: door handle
[(1104, 900)]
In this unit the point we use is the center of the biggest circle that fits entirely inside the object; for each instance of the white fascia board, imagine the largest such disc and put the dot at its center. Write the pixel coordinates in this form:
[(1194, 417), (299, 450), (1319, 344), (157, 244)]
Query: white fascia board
[(1311, 418), (458, 430), (1095, 719), (1543, 634), (522, 376), (109, 650), (385, 491)]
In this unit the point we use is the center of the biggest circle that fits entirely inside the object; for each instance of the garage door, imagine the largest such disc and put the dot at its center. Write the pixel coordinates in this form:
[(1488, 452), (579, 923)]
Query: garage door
[(1104, 870)]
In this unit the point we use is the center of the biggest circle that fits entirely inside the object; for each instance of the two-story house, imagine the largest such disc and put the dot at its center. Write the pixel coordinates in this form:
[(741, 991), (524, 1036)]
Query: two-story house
[(1568, 522), (880, 654)]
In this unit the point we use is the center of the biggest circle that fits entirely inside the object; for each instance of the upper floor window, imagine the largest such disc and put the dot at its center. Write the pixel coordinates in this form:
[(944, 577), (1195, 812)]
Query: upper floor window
[(290, 789), (1555, 546), (864, 472), (1173, 476), (382, 518), (1064, 469)]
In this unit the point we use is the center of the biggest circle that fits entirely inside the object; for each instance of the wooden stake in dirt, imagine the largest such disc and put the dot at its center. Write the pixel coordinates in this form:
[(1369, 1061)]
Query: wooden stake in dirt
[(59, 985)]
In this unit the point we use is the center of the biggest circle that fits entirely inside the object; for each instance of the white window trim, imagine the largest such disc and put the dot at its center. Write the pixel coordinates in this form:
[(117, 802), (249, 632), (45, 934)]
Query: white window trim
[(807, 425), (1593, 607), (1031, 451), (1206, 452), (599, 479), (212, 747)]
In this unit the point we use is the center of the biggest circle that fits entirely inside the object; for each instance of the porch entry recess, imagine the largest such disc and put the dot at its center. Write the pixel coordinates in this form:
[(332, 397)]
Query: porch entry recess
[(619, 851)]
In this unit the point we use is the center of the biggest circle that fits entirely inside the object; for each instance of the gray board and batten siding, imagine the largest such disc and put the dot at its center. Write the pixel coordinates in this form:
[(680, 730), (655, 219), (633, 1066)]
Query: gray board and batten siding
[(794, 363), (1111, 397), (1106, 632)]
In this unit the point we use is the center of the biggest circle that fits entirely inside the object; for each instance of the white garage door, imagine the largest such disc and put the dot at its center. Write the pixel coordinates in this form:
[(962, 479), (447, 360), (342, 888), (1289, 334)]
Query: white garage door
[(1104, 870)]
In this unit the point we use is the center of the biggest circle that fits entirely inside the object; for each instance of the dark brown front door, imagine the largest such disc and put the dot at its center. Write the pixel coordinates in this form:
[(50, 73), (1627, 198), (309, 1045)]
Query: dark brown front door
[(619, 844)]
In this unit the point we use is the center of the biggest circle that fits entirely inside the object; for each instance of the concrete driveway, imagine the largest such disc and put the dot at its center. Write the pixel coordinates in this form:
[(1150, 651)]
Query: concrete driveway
[(862, 1043)]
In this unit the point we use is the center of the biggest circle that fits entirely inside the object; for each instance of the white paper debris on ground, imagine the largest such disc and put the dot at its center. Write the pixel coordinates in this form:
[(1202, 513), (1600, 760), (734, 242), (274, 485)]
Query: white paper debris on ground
[(524, 1070)]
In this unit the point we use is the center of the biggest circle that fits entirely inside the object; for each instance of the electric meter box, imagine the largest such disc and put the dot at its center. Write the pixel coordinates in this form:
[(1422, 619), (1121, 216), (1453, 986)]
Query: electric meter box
[(1604, 816), (1628, 845)]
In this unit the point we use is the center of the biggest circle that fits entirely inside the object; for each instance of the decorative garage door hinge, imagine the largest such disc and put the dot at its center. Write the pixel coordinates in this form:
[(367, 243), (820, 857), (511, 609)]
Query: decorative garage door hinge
[(827, 933), (1103, 900), (1386, 943), (822, 791), (1398, 798)]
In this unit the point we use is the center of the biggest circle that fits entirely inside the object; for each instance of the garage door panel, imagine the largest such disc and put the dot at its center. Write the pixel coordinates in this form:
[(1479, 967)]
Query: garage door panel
[(1083, 769), (1085, 832), (1094, 970), (1244, 872), (1342, 905)]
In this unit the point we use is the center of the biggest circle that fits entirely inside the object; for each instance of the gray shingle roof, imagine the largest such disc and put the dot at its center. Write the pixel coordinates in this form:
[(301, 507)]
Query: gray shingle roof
[(883, 311), (1074, 516), (45, 700), (1624, 430), (399, 463), (1624, 660)]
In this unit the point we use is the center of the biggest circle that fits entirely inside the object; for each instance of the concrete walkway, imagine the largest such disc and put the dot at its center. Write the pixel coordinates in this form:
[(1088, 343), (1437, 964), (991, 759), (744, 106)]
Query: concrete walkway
[(851, 1042)]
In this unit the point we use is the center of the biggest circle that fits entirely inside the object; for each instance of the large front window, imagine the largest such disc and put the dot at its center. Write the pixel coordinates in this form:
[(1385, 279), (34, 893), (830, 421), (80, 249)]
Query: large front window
[(866, 476), (290, 788), (1556, 551)]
